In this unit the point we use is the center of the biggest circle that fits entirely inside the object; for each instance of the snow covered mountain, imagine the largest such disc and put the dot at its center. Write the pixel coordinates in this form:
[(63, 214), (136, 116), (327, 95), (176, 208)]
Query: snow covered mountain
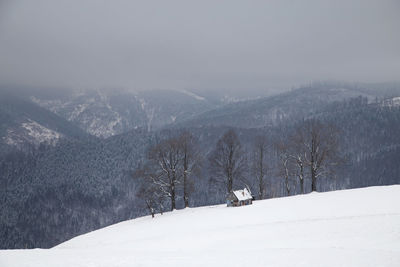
[(271, 110), (107, 113), (359, 227), (24, 124)]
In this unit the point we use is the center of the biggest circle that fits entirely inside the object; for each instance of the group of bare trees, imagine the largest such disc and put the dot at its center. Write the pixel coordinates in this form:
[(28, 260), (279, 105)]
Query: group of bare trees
[(308, 152), (168, 170)]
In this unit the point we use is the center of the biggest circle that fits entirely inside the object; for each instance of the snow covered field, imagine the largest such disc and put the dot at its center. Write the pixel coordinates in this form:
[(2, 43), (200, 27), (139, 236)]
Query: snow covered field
[(358, 227)]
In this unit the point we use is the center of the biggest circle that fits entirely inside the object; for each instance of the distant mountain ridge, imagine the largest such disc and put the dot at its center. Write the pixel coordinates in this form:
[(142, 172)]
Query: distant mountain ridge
[(295, 104), (23, 123), (105, 113), (108, 113)]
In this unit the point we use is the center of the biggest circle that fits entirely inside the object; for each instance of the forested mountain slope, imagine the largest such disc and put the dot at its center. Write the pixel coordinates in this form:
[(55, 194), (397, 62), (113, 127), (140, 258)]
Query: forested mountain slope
[(56, 192)]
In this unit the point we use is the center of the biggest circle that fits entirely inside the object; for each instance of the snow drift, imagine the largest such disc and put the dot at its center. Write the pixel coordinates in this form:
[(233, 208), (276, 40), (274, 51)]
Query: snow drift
[(359, 227)]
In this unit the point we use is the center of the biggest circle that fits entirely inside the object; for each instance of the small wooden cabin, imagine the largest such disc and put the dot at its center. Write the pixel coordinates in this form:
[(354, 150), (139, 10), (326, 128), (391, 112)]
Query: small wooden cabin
[(239, 198)]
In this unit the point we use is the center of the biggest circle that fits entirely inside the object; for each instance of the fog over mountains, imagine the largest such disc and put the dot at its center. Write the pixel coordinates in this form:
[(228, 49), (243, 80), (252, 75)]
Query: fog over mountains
[(206, 45), (67, 160), (103, 113)]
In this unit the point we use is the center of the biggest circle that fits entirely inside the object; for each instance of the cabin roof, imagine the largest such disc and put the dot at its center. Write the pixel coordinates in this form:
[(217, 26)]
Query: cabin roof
[(242, 194)]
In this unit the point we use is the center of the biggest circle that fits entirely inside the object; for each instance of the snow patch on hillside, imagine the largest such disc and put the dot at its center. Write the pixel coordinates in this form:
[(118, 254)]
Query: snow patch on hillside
[(149, 112), (226, 99), (392, 102), (93, 114), (39, 132), (31, 132), (358, 227), (192, 95)]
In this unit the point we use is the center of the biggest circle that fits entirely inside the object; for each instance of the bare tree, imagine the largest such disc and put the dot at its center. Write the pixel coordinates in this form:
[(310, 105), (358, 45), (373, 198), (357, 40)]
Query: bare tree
[(319, 146), (260, 165), (228, 160), (190, 163), (148, 191), (297, 155), (299, 160), (165, 158), (171, 162), (285, 163)]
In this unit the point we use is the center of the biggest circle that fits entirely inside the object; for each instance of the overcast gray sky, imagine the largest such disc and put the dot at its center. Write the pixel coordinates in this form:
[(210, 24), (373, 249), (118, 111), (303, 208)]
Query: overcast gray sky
[(197, 44)]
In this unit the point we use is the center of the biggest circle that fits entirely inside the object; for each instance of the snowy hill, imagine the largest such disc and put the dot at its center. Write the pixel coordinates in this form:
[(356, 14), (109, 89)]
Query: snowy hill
[(358, 227)]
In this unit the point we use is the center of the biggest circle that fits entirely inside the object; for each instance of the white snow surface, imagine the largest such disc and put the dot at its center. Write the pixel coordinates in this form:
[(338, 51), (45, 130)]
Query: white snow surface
[(359, 227)]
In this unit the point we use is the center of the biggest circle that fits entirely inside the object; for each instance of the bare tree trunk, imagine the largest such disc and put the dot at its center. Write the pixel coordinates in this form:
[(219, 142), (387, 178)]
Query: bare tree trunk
[(230, 184), (286, 174), (287, 186), (150, 208), (284, 157), (161, 206), (173, 206), (185, 182), (190, 163), (300, 165), (312, 162), (230, 178), (260, 147), (261, 178), (313, 181), (173, 163), (301, 179)]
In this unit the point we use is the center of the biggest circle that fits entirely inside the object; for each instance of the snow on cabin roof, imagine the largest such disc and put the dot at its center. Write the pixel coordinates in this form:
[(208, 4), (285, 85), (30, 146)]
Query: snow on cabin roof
[(242, 194)]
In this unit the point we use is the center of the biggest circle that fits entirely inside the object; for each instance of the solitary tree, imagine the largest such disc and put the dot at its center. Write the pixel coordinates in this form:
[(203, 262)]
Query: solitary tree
[(228, 160), (164, 159)]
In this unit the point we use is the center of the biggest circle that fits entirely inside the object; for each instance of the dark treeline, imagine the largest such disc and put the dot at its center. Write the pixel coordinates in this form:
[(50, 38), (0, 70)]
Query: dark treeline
[(49, 194)]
